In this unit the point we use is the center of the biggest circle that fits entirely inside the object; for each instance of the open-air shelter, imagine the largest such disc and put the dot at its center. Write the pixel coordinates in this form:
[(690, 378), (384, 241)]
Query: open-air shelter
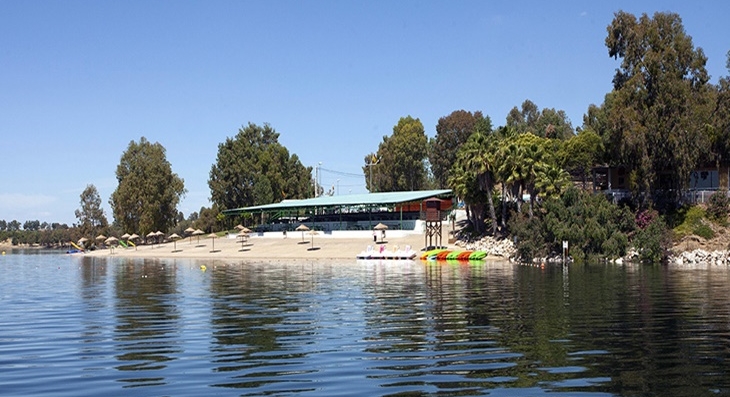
[(365, 204)]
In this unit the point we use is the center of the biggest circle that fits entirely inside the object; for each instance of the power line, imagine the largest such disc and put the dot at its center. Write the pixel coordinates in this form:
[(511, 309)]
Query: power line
[(343, 173)]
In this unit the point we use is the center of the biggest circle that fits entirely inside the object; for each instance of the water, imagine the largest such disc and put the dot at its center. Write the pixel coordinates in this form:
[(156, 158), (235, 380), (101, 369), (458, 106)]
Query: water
[(81, 326)]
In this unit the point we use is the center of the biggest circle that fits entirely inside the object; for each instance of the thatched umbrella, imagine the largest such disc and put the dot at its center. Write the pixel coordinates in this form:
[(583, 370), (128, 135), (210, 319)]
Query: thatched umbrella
[(133, 237), (243, 235), (382, 227), (198, 233), (174, 238), (313, 233), (151, 235), (82, 241), (189, 231), (213, 236), (240, 227), (302, 228), (110, 242), (125, 237)]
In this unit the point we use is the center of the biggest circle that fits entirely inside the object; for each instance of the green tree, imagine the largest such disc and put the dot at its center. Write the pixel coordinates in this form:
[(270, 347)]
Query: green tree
[(581, 152), (548, 123), (400, 159), (473, 178), (148, 192), (519, 159), (659, 106), (720, 129), (452, 131), (253, 168), (91, 216)]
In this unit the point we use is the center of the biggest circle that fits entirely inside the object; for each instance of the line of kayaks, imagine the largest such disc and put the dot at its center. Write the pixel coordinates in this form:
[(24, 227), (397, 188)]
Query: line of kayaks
[(441, 254)]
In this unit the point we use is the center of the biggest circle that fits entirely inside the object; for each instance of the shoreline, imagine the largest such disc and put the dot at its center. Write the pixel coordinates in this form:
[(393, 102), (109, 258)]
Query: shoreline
[(293, 247)]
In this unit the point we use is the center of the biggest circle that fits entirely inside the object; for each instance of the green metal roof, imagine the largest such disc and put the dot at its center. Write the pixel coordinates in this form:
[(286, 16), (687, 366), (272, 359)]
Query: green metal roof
[(349, 199)]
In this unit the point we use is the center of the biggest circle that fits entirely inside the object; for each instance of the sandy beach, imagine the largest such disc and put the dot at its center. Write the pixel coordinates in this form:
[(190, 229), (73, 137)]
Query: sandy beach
[(272, 246)]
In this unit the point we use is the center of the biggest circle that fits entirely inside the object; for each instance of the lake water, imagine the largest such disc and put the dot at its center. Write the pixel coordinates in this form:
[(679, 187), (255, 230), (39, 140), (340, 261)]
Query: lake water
[(82, 326)]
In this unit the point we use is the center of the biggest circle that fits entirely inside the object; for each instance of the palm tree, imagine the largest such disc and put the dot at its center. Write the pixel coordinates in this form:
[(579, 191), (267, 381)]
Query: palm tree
[(552, 180), (477, 157)]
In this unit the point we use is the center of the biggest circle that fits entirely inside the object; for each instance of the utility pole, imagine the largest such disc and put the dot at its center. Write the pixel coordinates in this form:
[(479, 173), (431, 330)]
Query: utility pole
[(370, 168)]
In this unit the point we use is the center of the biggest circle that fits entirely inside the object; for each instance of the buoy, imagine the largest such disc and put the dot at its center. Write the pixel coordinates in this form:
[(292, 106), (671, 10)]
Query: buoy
[(3, 252), (202, 267)]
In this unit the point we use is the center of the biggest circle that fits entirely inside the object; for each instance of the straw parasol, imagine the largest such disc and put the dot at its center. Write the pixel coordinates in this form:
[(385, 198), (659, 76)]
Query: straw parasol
[(302, 228), (313, 233), (213, 236), (174, 237), (125, 236), (243, 235), (133, 237), (240, 227), (382, 227), (198, 233), (189, 231), (110, 242), (101, 237), (151, 235)]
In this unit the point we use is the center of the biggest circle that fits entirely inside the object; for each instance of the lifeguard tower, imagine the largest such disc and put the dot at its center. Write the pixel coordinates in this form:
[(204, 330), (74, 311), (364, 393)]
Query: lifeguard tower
[(433, 222)]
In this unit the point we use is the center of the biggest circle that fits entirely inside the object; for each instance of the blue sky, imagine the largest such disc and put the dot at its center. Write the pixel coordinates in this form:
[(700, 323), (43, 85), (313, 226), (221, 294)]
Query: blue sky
[(79, 80)]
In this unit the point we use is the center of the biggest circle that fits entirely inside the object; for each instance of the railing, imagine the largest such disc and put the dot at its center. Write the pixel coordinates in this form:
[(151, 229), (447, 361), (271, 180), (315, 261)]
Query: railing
[(691, 197), (700, 196)]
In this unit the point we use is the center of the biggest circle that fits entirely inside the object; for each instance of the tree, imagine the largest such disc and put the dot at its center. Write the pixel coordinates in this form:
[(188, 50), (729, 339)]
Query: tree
[(659, 106), (720, 130), (91, 216), (148, 192), (452, 131), (581, 152), (473, 178), (32, 225), (548, 123), (253, 169), (401, 159)]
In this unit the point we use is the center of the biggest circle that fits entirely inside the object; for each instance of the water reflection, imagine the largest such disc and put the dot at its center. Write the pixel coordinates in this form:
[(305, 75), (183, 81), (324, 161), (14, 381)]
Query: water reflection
[(147, 323), (366, 328)]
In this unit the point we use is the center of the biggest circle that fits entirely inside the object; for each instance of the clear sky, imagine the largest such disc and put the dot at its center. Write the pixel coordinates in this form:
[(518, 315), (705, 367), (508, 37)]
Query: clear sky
[(80, 80)]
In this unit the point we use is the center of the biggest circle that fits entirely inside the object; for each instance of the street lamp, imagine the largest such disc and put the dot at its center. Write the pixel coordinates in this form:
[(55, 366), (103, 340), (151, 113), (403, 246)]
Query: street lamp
[(317, 177)]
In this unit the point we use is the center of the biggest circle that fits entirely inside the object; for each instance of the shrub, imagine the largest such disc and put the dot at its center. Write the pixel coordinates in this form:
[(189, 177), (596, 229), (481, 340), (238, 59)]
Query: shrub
[(652, 242), (528, 234), (693, 222), (718, 207)]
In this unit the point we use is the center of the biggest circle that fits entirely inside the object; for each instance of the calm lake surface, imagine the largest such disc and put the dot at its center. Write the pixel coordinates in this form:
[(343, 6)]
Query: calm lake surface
[(82, 326)]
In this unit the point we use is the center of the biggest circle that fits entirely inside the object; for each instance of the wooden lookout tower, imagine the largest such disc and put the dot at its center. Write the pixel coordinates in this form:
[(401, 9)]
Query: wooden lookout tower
[(433, 222)]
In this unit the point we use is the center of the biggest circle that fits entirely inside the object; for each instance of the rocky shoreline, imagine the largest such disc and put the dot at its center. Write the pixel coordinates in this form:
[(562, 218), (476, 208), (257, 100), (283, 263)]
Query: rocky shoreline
[(504, 248), (700, 256), (493, 247)]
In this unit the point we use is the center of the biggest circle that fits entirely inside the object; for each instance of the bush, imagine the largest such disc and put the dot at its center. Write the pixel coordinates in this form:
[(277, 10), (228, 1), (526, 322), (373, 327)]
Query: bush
[(693, 222), (528, 235), (652, 242), (592, 225), (718, 207)]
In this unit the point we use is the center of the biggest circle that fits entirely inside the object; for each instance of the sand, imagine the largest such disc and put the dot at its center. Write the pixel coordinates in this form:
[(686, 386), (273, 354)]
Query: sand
[(294, 246)]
